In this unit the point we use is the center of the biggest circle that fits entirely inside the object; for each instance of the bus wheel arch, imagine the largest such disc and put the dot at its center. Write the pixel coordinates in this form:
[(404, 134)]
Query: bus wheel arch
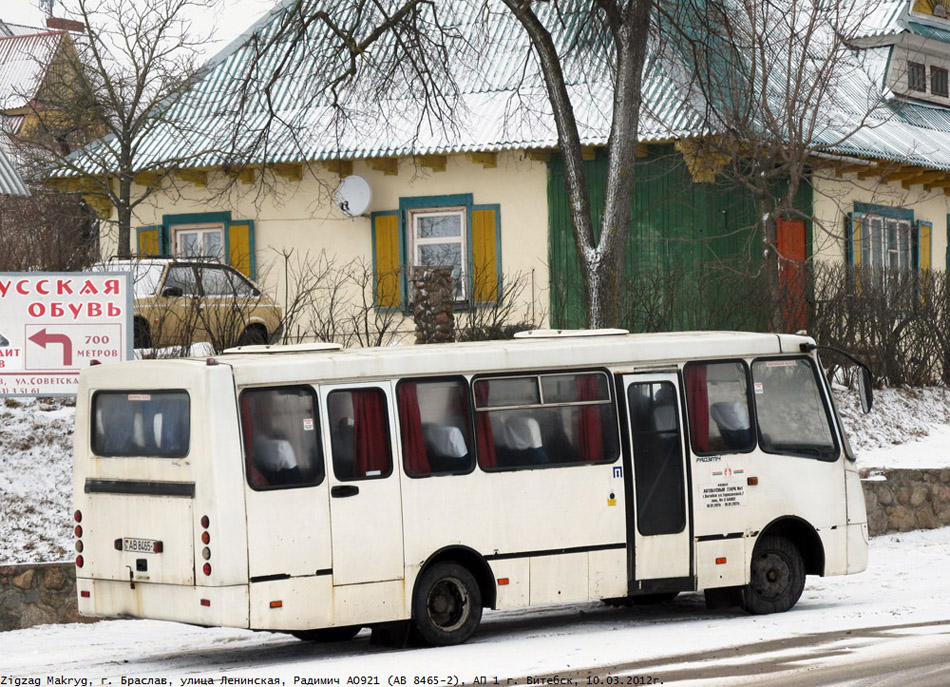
[(805, 538), (475, 563), (448, 596)]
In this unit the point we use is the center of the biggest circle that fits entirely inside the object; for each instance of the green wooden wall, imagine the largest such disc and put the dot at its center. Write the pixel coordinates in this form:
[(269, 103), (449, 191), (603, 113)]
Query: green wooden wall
[(692, 248)]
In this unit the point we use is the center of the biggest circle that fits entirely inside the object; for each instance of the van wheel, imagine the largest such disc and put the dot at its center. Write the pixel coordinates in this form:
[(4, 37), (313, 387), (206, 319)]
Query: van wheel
[(778, 577), (329, 634), (141, 335), (446, 606), (253, 335)]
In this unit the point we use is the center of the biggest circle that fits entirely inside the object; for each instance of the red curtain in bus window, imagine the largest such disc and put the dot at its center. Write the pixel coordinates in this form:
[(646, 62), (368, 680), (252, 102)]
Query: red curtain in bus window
[(697, 397), (483, 436), (410, 423), (370, 434), (590, 434), (254, 476)]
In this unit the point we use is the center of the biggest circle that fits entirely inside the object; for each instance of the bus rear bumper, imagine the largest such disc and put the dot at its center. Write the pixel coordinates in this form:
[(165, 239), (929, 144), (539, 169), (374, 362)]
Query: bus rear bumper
[(210, 606)]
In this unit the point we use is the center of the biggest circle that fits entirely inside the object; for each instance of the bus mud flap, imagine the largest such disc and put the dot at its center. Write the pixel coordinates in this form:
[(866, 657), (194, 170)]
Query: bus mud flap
[(394, 635)]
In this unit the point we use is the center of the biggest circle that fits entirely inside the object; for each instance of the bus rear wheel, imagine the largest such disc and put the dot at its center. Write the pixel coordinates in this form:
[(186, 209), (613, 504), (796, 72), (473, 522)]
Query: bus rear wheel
[(778, 577), (328, 634), (446, 606)]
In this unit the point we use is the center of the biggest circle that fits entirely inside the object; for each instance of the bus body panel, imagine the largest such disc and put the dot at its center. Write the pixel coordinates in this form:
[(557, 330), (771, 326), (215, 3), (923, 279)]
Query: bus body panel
[(288, 531), (208, 606)]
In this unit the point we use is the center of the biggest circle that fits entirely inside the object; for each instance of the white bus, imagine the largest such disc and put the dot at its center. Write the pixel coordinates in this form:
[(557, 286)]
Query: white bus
[(316, 490)]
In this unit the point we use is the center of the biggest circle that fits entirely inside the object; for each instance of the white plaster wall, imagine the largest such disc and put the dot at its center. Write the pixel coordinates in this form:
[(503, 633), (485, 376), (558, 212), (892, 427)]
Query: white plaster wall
[(835, 197), (301, 215)]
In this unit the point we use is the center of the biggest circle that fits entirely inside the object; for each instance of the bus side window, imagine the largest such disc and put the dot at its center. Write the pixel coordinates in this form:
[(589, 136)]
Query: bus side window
[(434, 420), (551, 419), (717, 395), (359, 434), (281, 440)]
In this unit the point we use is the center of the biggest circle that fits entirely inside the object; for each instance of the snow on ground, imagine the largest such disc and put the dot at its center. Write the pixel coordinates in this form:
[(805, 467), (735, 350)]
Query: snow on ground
[(906, 428), (903, 590)]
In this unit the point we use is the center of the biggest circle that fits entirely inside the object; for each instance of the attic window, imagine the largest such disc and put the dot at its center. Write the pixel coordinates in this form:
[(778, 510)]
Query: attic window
[(938, 81), (916, 77)]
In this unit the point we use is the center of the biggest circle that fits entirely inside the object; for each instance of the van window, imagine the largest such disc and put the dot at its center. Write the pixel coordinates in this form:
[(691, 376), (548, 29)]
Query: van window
[(281, 437), (434, 420), (717, 395), (359, 434), (540, 420), (792, 416), (141, 423)]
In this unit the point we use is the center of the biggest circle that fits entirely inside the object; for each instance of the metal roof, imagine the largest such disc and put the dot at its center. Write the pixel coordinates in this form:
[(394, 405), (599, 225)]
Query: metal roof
[(24, 59), (501, 102), (10, 182)]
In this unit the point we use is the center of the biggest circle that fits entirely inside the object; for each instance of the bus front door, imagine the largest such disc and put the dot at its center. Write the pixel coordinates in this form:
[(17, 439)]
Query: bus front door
[(365, 502), (658, 528)]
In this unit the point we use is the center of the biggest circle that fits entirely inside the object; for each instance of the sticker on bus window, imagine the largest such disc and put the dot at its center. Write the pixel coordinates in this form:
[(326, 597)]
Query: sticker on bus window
[(140, 397), (758, 388), (308, 424), (781, 363)]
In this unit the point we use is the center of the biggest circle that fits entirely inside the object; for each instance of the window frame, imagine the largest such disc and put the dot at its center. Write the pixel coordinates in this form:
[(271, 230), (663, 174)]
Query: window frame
[(822, 395), (939, 81), (611, 402), (386, 424), (201, 229), (463, 241), (875, 254), (316, 427), (917, 77), (120, 392), (750, 404), (469, 420)]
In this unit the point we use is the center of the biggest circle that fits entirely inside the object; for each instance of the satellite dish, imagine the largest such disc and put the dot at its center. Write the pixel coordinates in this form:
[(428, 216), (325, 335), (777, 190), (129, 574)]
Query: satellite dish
[(354, 195)]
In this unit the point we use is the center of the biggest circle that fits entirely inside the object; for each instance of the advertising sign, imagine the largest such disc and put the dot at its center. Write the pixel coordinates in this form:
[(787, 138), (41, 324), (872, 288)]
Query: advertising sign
[(53, 325)]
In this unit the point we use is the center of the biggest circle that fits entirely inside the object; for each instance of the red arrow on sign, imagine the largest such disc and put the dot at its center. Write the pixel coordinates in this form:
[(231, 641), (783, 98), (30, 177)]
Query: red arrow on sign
[(41, 338)]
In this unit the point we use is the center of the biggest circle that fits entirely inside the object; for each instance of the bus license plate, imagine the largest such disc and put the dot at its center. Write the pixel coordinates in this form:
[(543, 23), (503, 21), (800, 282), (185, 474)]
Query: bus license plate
[(141, 545)]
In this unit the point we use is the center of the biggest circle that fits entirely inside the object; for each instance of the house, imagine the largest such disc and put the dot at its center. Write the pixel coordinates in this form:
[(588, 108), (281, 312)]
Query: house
[(481, 190)]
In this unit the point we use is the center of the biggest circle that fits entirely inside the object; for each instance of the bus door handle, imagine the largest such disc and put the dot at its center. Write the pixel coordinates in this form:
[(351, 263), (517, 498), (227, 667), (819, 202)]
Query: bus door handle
[(343, 491)]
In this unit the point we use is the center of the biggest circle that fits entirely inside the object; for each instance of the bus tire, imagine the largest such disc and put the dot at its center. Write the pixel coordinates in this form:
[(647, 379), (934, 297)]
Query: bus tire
[(777, 577), (446, 605), (328, 634)]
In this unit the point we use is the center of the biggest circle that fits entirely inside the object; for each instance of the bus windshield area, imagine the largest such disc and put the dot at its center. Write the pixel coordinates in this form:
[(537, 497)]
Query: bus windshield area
[(136, 423)]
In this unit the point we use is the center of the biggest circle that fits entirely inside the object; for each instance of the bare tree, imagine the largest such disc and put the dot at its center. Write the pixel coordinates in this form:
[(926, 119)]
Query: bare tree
[(416, 56), (780, 85), (125, 80)]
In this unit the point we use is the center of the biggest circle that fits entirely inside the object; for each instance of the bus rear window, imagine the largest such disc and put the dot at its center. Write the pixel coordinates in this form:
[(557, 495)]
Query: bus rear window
[(141, 423)]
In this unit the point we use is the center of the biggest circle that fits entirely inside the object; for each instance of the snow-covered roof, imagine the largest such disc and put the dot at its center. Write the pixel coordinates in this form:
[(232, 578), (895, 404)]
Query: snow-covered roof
[(500, 103), (24, 59)]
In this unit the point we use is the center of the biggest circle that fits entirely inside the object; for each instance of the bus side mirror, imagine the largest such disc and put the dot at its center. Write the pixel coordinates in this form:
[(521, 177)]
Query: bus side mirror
[(865, 391), (173, 292)]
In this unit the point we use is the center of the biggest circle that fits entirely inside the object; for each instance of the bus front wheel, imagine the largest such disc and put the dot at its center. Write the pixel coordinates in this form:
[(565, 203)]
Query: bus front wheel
[(446, 606), (778, 577)]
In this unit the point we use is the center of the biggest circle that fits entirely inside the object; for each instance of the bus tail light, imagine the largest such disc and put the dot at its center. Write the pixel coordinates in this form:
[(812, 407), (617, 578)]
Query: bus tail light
[(79, 561), (206, 568), (77, 516), (205, 602), (721, 560), (276, 604), (85, 594)]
